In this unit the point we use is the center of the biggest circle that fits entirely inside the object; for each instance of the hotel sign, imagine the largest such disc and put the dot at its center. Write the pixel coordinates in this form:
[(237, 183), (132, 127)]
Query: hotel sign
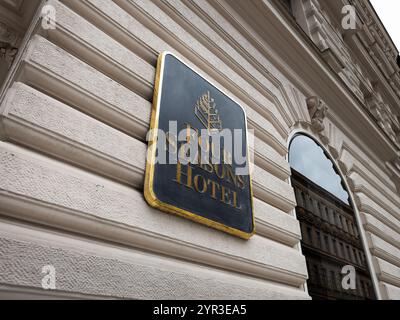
[(197, 162)]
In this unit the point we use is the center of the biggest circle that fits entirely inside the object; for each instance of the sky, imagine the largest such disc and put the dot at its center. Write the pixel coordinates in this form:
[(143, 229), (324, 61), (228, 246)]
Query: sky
[(388, 11), (308, 158)]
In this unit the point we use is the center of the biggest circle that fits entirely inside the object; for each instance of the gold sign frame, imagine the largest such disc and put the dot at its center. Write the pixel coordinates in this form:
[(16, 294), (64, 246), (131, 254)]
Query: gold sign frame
[(149, 193)]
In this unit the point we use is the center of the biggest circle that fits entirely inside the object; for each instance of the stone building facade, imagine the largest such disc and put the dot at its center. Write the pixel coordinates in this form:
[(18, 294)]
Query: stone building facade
[(77, 83)]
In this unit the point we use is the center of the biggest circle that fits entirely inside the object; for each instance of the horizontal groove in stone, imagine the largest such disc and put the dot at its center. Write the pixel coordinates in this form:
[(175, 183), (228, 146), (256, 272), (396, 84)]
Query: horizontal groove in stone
[(57, 197), (42, 123), (380, 229), (56, 72), (76, 35), (36, 73), (124, 27), (88, 83), (383, 249), (387, 272), (83, 267)]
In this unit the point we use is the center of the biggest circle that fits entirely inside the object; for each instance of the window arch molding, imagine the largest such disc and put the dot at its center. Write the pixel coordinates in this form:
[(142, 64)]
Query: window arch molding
[(310, 134)]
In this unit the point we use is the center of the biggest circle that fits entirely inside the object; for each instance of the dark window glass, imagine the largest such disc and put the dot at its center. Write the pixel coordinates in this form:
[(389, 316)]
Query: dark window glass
[(334, 246), (309, 234), (327, 246), (328, 223)]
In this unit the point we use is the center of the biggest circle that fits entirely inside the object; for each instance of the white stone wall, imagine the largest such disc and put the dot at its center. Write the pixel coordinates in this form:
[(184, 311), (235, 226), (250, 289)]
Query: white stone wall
[(72, 157)]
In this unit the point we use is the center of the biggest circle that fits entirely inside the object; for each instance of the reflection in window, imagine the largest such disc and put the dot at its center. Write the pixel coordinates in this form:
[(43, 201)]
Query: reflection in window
[(328, 225), (307, 158)]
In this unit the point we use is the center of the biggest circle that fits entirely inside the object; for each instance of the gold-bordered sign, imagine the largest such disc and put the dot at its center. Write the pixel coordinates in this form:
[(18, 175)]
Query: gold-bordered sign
[(211, 194)]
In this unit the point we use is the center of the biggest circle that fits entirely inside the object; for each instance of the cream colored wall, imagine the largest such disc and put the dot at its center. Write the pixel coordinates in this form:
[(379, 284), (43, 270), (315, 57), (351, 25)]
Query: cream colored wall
[(72, 156), (378, 204)]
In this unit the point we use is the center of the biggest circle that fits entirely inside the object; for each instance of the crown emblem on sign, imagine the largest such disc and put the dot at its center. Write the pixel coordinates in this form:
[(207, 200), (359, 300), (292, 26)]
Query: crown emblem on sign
[(206, 111)]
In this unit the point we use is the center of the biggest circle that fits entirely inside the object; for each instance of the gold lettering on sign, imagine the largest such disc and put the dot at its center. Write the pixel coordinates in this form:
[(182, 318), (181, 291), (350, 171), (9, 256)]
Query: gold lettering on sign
[(215, 190), (206, 112), (187, 175)]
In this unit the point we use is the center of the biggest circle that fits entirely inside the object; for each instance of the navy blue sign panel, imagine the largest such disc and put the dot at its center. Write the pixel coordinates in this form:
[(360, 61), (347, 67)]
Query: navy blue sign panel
[(217, 191)]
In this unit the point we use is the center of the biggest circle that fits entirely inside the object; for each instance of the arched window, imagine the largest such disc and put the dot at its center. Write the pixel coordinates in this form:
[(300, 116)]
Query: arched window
[(336, 237)]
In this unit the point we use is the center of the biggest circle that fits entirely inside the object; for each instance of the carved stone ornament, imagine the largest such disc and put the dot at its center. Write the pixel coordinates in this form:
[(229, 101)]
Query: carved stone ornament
[(8, 44), (386, 119), (318, 111)]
